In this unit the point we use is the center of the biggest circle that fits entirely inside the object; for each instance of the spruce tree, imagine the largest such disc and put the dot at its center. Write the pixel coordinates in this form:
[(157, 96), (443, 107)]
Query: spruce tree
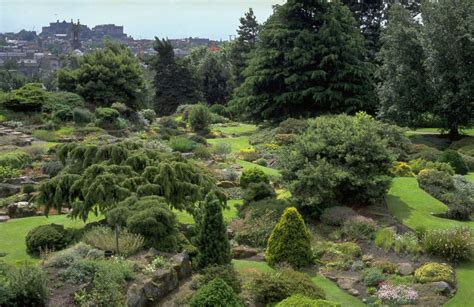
[(310, 59), (212, 242), (448, 40), (243, 45), (404, 93), (289, 241), (174, 82)]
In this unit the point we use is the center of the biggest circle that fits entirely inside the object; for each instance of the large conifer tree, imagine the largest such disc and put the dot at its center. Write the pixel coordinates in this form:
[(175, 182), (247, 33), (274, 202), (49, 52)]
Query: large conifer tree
[(214, 79), (310, 59), (174, 82), (243, 45), (403, 92)]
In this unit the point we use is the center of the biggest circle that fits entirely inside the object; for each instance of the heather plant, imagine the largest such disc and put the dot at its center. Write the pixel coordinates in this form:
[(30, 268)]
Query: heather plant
[(290, 241), (432, 271), (336, 216), (454, 244), (397, 295)]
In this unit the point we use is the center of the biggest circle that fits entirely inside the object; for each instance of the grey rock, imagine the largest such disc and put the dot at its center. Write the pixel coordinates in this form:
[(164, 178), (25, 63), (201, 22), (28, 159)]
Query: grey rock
[(4, 218), (152, 290), (226, 184), (346, 283), (441, 287), (243, 252), (405, 268), (353, 292), (7, 189), (182, 265)]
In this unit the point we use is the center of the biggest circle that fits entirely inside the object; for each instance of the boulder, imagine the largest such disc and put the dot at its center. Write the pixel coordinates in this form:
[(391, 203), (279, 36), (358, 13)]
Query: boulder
[(353, 292), (441, 287), (243, 252), (152, 290), (346, 283), (7, 190), (182, 265), (4, 218), (405, 268)]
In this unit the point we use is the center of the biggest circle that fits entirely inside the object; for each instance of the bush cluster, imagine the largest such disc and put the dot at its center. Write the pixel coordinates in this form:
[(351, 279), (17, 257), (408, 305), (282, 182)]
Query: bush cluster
[(303, 301), (252, 175), (103, 238), (372, 277), (388, 239), (200, 119), (431, 271), (225, 272), (455, 244), (215, 293), (454, 159), (359, 228), (50, 237)]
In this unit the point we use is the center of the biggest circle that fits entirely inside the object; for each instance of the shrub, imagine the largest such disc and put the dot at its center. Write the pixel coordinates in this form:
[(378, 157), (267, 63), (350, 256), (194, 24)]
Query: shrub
[(198, 139), (270, 288), (157, 263), (15, 159), (261, 162), (211, 240), (222, 149), (455, 160), (424, 152), (215, 293), (66, 257), (338, 160), (82, 116), (418, 165), (168, 122), (47, 237), (336, 216), (28, 98), (292, 126), (303, 301), (401, 169), (225, 272), (79, 271), (258, 191), (249, 154), (454, 244), (149, 115), (107, 117), (200, 119), (63, 100), (371, 277), (336, 254), (201, 152), (397, 295), (8, 172), (431, 271), (359, 228), (27, 284), (52, 167), (253, 175), (432, 178), (388, 239), (103, 238), (219, 109), (290, 241), (469, 161), (181, 144)]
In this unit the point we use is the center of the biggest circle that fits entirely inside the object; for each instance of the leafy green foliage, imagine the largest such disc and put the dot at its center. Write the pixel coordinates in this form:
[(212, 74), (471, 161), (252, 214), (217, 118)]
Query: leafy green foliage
[(215, 293), (455, 244), (359, 228), (47, 237), (103, 238), (200, 118), (253, 175), (182, 144), (273, 287), (373, 276), (15, 159), (211, 240), (28, 98), (303, 301), (8, 172), (417, 165), (225, 272), (107, 75), (336, 216), (149, 115), (454, 159), (306, 64), (106, 117), (432, 271), (289, 241), (214, 79), (338, 160)]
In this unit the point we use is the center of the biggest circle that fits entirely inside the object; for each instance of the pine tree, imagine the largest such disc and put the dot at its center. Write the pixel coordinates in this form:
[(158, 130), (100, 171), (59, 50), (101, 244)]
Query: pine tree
[(289, 241), (243, 45), (448, 40), (174, 82), (310, 59), (404, 92), (214, 79), (212, 242)]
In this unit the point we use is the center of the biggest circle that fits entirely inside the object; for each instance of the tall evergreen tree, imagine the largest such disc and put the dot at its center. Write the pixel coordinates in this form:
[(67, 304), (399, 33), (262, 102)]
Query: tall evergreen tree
[(214, 80), (212, 242), (310, 59), (403, 91), (243, 45), (174, 82), (448, 40)]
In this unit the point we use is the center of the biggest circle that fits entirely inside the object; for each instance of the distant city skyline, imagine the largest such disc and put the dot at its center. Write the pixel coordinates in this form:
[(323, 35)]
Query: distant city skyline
[(214, 19)]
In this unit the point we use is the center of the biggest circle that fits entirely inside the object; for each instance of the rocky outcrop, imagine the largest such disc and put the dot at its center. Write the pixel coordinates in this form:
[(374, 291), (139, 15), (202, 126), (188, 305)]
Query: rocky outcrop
[(243, 252), (405, 268), (7, 190), (162, 282)]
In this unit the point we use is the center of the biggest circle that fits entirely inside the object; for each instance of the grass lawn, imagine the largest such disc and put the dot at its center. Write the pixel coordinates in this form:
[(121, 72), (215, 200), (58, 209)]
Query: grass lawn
[(470, 176), (465, 292), (13, 234), (229, 214), (236, 143), (414, 207), (237, 130), (333, 293), (267, 170), (437, 131)]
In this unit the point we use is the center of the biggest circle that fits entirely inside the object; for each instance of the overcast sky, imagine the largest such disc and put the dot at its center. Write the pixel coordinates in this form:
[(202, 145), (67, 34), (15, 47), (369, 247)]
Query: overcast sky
[(216, 19)]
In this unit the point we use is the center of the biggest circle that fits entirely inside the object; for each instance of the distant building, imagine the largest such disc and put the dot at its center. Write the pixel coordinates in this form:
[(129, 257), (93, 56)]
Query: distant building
[(110, 30), (65, 29)]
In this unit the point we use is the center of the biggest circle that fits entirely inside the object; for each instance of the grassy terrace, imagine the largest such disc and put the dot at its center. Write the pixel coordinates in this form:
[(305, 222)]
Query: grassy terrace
[(437, 131), (332, 291), (414, 207)]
